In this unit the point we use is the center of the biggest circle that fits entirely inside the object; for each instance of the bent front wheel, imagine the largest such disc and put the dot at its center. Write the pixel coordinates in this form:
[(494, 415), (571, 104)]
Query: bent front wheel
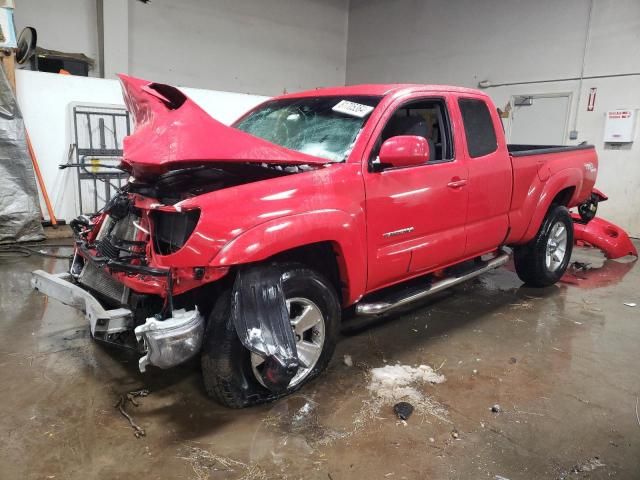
[(232, 374)]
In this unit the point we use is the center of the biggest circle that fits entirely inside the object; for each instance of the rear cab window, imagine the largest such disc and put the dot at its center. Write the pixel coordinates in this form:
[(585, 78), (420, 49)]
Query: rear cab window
[(478, 127)]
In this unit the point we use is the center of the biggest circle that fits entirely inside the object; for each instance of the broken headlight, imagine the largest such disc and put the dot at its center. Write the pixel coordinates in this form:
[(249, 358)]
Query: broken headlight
[(171, 230)]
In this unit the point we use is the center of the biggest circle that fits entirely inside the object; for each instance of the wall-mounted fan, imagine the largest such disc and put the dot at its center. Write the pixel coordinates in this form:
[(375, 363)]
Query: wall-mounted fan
[(26, 45), (44, 60)]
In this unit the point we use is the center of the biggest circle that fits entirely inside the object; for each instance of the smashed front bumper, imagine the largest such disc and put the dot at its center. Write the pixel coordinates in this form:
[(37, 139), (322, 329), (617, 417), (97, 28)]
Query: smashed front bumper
[(102, 322), (167, 342)]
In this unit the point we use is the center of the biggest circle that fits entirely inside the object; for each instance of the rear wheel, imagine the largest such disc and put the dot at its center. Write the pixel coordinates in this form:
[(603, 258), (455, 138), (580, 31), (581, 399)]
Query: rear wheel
[(544, 260), (231, 373)]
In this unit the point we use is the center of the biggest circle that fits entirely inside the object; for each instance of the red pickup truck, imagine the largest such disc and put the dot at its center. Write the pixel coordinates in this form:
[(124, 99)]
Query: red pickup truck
[(247, 243)]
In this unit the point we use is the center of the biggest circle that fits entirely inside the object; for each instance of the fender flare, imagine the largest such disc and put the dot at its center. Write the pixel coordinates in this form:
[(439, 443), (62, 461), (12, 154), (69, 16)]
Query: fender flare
[(343, 230), (601, 196), (567, 178)]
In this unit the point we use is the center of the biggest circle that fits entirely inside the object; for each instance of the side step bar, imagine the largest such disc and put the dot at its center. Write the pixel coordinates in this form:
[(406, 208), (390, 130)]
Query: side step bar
[(400, 300)]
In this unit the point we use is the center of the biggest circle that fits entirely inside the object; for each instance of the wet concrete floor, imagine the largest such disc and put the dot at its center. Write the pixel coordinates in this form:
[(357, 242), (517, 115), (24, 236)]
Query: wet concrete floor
[(562, 363)]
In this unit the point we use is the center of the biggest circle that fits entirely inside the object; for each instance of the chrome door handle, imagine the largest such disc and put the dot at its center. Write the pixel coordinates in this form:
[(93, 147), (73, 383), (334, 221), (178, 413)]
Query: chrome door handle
[(456, 183)]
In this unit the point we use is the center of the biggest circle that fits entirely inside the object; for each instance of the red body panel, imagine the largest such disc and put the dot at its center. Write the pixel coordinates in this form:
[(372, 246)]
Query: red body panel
[(599, 233), (537, 179), (385, 227)]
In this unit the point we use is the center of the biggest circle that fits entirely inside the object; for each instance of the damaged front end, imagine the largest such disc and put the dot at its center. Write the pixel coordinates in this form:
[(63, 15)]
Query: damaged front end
[(143, 270), (129, 297)]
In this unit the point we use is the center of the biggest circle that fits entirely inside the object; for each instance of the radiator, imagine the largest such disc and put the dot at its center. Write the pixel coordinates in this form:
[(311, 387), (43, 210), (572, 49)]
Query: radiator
[(100, 281)]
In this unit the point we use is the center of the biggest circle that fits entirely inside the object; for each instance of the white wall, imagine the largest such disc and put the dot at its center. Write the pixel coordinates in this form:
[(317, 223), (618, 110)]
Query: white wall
[(250, 46), (257, 46), (44, 99), (511, 41)]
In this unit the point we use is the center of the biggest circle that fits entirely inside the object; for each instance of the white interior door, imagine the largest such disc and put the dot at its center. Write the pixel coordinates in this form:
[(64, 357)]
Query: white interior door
[(540, 120)]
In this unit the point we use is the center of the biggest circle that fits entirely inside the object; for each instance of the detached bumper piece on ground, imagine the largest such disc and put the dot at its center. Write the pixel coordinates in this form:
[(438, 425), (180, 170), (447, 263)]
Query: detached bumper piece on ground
[(602, 234)]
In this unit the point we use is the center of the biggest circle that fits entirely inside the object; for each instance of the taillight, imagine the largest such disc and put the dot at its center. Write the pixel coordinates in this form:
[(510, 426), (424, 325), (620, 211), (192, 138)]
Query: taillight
[(171, 230)]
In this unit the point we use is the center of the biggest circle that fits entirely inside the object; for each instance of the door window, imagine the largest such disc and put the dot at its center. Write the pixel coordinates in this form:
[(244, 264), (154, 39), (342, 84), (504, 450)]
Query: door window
[(478, 127), (423, 118)]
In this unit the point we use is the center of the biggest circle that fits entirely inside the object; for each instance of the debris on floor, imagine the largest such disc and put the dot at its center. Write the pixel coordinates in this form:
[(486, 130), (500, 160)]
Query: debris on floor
[(588, 466), (204, 463), (455, 435), (130, 397), (403, 410), (580, 266), (391, 384), (578, 470), (513, 360), (631, 304), (348, 361), (496, 408), (395, 382), (522, 306)]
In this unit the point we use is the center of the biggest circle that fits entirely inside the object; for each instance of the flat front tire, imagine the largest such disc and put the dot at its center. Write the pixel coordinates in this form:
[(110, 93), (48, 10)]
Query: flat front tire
[(231, 373), (544, 260)]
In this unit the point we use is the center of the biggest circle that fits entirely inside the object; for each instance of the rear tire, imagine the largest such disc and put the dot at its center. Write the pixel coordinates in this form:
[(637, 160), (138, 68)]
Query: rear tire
[(544, 260), (227, 370)]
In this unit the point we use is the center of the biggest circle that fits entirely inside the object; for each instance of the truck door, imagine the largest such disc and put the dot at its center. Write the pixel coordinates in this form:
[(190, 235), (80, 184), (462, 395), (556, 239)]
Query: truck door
[(415, 215), (490, 179)]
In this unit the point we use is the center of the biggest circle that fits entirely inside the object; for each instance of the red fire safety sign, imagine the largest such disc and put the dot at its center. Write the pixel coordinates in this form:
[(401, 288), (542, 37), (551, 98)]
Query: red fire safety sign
[(592, 99)]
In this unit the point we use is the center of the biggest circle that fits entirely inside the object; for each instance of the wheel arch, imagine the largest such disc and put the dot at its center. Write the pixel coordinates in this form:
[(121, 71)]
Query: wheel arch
[(329, 241), (561, 189)]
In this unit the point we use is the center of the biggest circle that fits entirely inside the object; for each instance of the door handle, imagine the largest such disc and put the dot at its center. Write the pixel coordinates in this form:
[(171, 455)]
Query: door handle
[(457, 183)]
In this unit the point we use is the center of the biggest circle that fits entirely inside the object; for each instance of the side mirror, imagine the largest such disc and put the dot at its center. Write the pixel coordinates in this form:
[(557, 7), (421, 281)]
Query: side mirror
[(404, 151)]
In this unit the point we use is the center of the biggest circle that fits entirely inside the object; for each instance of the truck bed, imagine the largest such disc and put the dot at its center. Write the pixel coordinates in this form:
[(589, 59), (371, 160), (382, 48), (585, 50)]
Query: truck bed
[(521, 150), (533, 166)]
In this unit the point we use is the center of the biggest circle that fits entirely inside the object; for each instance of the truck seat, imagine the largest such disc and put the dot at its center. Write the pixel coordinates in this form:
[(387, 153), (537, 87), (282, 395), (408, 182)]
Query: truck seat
[(410, 125)]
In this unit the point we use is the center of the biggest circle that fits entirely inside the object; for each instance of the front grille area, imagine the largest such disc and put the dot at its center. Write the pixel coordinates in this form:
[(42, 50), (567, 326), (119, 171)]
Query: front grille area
[(116, 240), (97, 279), (107, 249)]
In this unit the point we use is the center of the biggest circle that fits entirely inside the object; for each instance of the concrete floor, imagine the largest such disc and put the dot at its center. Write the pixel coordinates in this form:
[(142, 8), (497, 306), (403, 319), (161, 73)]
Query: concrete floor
[(561, 362)]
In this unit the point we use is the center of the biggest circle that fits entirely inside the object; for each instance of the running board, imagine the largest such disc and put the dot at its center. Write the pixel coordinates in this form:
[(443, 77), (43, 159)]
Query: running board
[(397, 300)]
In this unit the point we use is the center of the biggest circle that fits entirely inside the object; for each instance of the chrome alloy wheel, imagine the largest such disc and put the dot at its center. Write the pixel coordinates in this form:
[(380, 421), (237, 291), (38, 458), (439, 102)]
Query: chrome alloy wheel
[(307, 323), (556, 246)]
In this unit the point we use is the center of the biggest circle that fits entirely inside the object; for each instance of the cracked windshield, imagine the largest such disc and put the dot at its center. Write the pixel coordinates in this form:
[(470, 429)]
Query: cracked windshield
[(325, 127)]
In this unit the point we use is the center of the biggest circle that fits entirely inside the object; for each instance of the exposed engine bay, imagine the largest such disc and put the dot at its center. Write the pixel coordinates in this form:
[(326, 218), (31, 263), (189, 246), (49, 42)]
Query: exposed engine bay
[(176, 185)]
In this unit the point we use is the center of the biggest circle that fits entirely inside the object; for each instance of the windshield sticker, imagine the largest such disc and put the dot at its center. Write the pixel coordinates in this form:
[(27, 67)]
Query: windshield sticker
[(352, 108)]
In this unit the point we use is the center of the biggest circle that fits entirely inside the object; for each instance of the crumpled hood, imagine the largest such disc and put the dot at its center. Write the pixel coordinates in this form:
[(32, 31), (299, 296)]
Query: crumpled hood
[(171, 129)]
